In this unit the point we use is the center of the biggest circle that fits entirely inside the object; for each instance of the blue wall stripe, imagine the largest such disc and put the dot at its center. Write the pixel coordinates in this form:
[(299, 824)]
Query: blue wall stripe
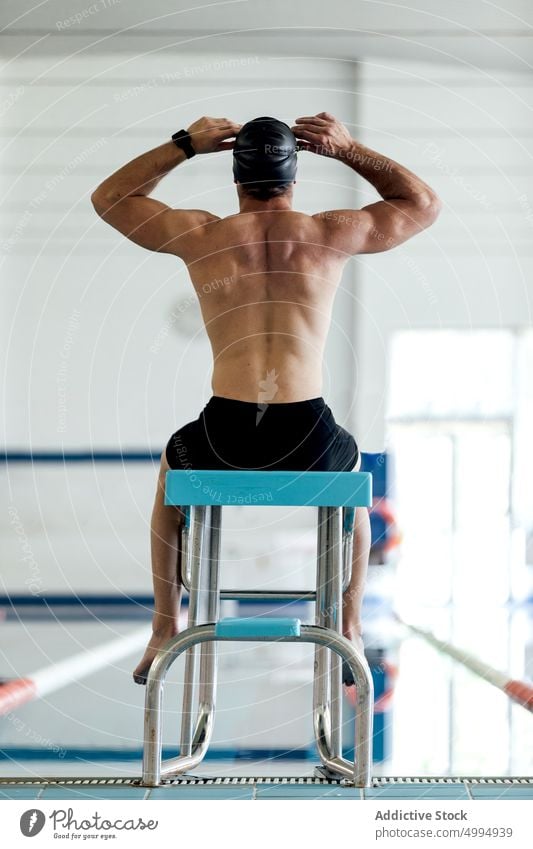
[(64, 599), (26, 753), (147, 455), (144, 455)]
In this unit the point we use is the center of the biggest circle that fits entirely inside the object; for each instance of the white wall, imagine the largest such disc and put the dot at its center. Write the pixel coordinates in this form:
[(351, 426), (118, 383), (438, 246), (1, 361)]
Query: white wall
[(467, 133), (485, 34), (95, 353)]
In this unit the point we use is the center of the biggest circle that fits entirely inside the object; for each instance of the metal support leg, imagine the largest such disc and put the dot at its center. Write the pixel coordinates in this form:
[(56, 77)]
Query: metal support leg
[(196, 556), (334, 620), (328, 683), (332, 570), (358, 771), (185, 546), (204, 601), (208, 653), (348, 524), (321, 701)]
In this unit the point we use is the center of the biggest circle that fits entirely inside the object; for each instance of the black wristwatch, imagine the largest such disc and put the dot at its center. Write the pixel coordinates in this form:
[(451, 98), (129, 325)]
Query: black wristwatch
[(182, 139)]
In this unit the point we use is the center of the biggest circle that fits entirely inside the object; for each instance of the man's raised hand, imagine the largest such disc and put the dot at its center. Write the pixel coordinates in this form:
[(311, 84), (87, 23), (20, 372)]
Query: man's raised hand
[(322, 134), (210, 135)]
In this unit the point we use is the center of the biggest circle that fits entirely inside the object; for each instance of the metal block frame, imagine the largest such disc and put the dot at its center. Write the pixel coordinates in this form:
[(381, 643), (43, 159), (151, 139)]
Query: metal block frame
[(200, 574)]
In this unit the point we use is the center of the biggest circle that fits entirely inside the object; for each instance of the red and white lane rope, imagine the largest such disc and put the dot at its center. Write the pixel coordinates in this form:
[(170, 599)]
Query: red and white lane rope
[(519, 691), (44, 681)]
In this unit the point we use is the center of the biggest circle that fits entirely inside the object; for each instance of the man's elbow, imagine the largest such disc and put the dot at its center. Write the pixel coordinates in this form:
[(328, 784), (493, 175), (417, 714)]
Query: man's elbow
[(429, 209), (100, 201)]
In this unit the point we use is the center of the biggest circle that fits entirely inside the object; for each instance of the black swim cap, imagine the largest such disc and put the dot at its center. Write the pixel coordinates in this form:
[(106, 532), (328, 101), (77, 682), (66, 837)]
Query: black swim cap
[(265, 151)]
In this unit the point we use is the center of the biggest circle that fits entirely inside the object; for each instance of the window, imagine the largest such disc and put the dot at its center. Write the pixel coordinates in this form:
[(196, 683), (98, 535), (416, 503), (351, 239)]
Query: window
[(459, 425)]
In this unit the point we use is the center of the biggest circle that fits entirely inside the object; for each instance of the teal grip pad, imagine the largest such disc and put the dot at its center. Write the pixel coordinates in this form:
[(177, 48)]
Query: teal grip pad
[(262, 627)]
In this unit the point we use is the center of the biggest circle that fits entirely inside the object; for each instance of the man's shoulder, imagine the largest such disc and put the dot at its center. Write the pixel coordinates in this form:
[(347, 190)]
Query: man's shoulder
[(196, 217)]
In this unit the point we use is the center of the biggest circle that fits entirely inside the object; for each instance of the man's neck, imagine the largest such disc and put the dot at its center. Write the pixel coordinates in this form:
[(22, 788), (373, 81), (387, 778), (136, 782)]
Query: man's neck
[(273, 205)]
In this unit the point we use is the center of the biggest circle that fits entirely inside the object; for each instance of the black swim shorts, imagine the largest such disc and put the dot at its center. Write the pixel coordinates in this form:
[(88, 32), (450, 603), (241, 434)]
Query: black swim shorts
[(234, 435)]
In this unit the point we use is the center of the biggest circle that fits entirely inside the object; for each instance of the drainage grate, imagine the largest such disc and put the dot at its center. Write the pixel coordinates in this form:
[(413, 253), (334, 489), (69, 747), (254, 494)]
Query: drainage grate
[(387, 780)]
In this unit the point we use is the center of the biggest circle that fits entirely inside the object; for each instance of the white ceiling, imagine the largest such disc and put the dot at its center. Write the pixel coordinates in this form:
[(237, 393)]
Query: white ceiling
[(472, 32)]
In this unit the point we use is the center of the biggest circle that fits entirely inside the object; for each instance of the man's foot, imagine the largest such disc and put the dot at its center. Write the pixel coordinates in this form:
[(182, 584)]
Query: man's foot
[(158, 639), (353, 633)]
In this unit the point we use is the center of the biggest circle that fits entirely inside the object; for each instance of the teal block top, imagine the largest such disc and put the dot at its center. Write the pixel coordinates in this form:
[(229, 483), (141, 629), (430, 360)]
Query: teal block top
[(304, 489), (257, 627)]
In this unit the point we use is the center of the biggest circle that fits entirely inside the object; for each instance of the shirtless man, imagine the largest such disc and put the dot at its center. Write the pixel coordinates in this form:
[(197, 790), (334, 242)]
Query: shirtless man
[(266, 279)]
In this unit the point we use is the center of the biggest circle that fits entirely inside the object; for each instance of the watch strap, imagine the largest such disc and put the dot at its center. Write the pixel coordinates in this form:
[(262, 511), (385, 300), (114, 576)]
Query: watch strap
[(182, 139)]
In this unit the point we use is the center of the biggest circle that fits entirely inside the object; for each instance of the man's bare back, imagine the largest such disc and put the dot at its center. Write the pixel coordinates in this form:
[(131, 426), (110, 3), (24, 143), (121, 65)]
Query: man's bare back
[(266, 277), (266, 284)]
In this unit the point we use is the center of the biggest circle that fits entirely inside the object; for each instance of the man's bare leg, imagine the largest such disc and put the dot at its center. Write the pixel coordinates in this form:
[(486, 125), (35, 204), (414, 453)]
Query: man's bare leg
[(353, 597), (164, 537), (352, 600)]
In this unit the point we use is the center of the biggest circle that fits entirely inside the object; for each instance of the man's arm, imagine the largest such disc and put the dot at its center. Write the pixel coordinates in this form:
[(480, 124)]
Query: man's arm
[(122, 199), (409, 205)]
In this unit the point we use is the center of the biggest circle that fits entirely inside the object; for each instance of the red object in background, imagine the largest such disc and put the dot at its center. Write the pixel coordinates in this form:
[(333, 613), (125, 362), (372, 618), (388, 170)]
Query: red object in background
[(15, 693), (382, 507), (384, 701)]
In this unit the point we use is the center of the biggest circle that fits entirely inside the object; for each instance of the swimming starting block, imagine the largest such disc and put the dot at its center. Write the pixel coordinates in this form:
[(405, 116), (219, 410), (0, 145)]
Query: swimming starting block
[(201, 494)]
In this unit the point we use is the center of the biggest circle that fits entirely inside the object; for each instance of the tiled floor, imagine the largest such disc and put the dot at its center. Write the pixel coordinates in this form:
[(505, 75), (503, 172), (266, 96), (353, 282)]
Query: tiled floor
[(266, 788)]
